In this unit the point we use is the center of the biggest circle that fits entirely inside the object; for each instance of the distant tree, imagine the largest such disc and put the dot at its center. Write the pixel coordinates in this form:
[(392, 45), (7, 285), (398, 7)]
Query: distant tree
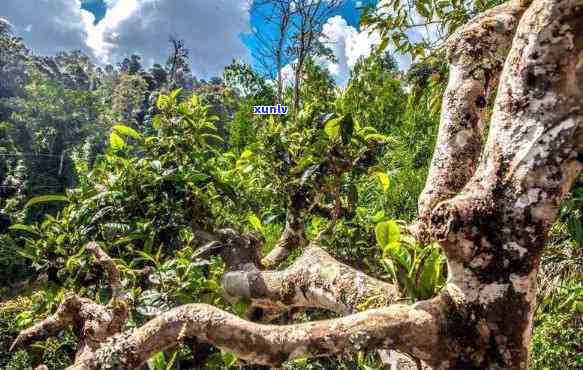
[(271, 51), (159, 77), (178, 65), (131, 65), (307, 39), (5, 27), (297, 36), (245, 81), (49, 122), (317, 88), (128, 100), (375, 94)]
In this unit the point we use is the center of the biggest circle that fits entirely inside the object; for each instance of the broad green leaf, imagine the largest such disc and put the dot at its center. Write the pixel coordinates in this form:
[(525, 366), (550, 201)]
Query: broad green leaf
[(156, 165), (255, 222), (247, 154), (387, 232), (378, 217), (383, 45), (229, 359), (127, 131), (116, 142), (384, 180), (429, 280), (332, 128), (174, 94), (157, 121), (46, 199), (213, 137), (376, 137)]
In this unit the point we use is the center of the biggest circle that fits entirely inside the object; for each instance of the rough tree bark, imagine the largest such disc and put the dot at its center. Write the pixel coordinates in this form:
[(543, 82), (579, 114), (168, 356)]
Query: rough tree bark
[(490, 209)]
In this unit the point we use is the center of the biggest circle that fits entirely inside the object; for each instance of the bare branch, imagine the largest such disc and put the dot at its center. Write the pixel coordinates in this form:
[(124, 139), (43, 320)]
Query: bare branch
[(315, 279), (411, 329), (113, 275), (66, 314)]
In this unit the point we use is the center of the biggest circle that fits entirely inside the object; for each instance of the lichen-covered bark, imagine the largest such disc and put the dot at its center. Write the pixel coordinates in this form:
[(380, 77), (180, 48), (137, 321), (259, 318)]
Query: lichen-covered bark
[(476, 54), (494, 230), (409, 329), (314, 280)]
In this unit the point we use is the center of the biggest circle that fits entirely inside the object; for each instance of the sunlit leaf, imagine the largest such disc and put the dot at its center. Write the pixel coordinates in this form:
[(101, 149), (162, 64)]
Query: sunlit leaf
[(255, 222), (387, 232), (383, 180), (116, 142), (46, 199), (127, 131)]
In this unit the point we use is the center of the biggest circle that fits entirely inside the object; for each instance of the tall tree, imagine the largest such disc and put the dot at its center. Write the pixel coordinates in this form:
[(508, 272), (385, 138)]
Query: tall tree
[(273, 40), (178, 64), (293, 34), (307, 37)]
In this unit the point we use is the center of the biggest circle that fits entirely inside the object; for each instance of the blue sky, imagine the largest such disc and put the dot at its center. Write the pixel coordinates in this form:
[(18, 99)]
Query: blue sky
[(214, 30)]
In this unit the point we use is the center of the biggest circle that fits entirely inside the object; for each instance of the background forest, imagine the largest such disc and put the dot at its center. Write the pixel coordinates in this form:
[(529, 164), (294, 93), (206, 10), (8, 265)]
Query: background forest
[(142, 159)]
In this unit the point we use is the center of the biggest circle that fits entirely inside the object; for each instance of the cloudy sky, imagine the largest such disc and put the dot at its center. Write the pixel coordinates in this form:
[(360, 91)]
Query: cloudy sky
[(215, 31)]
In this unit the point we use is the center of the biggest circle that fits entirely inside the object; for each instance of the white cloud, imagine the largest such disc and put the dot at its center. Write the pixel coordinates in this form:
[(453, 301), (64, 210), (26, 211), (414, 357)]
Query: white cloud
[(210, 29), (56, 24), (349, 44)]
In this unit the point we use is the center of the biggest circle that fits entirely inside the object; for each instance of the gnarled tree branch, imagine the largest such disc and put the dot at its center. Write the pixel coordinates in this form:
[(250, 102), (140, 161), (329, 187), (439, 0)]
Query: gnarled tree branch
[(410, 329), (476, 53), (315, 279)]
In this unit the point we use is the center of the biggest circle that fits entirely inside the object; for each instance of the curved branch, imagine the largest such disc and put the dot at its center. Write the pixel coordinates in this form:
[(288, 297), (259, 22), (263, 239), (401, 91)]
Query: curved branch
[(293, 236), (66, 314), (119, 299), (113, 274), (315, 279), (410, 329)]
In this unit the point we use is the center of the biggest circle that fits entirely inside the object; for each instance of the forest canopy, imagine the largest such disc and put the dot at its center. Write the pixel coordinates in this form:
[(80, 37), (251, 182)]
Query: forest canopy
[(149, 219)]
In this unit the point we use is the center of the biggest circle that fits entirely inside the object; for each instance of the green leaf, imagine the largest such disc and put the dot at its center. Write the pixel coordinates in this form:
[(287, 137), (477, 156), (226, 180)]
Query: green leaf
[(332, 128), (127, 131), (375, 137), (156, 166), (157, 121), (429, 280), (229, 359), (384, 180), (247, 154), (46, 199), (387, 232), (116, 142), (213, 137), (27, 228), (174, 94), (378, 217), (256, 222), (383, 45)]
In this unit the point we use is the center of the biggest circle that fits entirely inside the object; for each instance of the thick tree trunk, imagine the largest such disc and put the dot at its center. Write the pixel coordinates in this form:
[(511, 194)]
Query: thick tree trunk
[(494, 230), (490, 209)]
